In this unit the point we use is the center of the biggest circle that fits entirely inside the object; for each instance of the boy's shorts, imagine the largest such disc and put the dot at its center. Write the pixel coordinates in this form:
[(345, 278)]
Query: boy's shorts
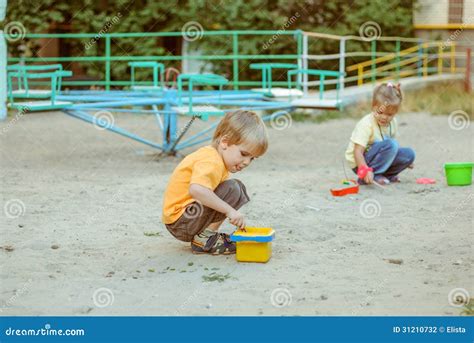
[(197, 217)]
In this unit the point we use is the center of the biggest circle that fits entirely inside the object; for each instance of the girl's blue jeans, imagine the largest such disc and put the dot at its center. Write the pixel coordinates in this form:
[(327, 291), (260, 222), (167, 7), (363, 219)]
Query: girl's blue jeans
[(388, 159)]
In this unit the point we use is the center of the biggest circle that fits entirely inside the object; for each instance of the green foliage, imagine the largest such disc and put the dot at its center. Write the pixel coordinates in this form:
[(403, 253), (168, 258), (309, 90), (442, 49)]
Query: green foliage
[(88, 16)]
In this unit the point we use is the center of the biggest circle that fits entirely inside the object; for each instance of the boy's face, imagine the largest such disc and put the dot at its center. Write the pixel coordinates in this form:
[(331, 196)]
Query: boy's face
[(236, 156), (384, 114)]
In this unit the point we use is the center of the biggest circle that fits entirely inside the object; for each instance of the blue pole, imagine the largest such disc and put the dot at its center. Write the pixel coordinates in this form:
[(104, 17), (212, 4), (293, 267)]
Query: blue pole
[(169, 124), (93, 120)]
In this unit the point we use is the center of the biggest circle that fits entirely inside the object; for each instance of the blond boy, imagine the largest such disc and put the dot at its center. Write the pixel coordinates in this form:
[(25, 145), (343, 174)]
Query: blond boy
[(200, 195)]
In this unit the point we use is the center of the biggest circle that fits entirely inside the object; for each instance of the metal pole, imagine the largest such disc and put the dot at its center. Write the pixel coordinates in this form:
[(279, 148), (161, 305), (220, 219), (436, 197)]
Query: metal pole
[(107, 62), (235, 51), (397, 59), (467, 81), (419, 63), (3, 65), (299, 47), (342, 63), (305, 64), (374, 53)]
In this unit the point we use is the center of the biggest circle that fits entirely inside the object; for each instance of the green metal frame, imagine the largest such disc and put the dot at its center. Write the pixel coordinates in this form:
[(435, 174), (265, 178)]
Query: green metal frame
[(108, 59), (316, 72), (158, 72), (199, 79), (55, 81), (20, 71), (267, 72)]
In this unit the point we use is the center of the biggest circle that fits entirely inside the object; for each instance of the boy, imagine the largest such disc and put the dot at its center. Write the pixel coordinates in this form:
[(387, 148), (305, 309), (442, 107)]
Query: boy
[(200, 196)]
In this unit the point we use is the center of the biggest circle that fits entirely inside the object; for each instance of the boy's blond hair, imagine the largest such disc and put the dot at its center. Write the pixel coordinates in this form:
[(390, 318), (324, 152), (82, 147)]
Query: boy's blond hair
[(387, 95), (243, 127)]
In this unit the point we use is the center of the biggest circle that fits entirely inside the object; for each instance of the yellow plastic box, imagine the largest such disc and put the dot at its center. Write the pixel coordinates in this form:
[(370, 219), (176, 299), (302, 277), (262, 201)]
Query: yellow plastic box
[(254, 244)]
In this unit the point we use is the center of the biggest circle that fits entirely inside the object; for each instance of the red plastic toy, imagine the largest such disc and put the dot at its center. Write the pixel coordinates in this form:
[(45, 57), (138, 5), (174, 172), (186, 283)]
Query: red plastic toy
[(353, 188), (363, 170), (425, 181)]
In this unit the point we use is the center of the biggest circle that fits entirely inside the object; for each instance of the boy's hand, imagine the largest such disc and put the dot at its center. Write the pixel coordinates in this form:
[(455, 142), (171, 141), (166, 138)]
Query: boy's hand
[(369, 178), (411, 166), (236, 218)]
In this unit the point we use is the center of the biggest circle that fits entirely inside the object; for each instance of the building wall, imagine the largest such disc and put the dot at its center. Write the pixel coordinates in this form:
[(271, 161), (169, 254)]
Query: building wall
[(468, 16), (444, 12), (431, 12), (446, 20)]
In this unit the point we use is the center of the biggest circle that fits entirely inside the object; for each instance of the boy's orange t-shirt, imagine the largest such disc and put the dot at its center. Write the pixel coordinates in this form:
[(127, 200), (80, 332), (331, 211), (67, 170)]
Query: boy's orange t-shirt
[(204, 167)]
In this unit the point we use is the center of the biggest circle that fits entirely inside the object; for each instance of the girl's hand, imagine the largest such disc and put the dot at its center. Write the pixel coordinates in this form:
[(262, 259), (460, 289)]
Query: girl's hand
[(369, 178), (411, 166)]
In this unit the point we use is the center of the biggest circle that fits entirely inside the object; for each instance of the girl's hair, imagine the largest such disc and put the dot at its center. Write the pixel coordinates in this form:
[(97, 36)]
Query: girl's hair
[(387, 94), (243, 127)]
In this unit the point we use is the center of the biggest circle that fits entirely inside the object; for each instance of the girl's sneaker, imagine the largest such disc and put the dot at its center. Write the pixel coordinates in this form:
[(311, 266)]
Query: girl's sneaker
[(394, 179), (381, 180)]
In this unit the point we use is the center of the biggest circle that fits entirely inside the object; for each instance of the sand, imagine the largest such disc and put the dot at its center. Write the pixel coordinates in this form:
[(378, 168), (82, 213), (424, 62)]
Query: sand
[(82, 235)]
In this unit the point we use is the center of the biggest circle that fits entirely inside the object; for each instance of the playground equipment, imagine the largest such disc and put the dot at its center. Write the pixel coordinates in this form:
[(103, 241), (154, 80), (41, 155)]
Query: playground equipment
[(23, 74), (267, 88), (167, 104), (158, 73), (3, 64), (205, 95), (309, 101)]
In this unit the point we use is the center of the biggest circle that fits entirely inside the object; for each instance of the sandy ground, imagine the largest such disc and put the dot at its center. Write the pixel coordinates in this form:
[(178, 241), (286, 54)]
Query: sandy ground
[(78, 201)]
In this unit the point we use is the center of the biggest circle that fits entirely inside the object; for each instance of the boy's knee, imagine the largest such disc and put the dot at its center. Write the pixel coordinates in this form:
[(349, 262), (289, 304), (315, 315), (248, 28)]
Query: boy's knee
[(232, 186), (233, 192)]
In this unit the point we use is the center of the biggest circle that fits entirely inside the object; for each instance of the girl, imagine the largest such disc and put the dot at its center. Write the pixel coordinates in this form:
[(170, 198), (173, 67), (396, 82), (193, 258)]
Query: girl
[(373, 141)]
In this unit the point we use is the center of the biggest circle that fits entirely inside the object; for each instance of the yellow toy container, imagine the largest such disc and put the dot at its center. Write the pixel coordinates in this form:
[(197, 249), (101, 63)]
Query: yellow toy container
[(254, 244)]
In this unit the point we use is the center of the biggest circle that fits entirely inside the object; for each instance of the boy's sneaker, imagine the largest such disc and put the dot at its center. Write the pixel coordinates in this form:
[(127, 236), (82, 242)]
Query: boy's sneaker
[(230, 247), (211, 242)]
